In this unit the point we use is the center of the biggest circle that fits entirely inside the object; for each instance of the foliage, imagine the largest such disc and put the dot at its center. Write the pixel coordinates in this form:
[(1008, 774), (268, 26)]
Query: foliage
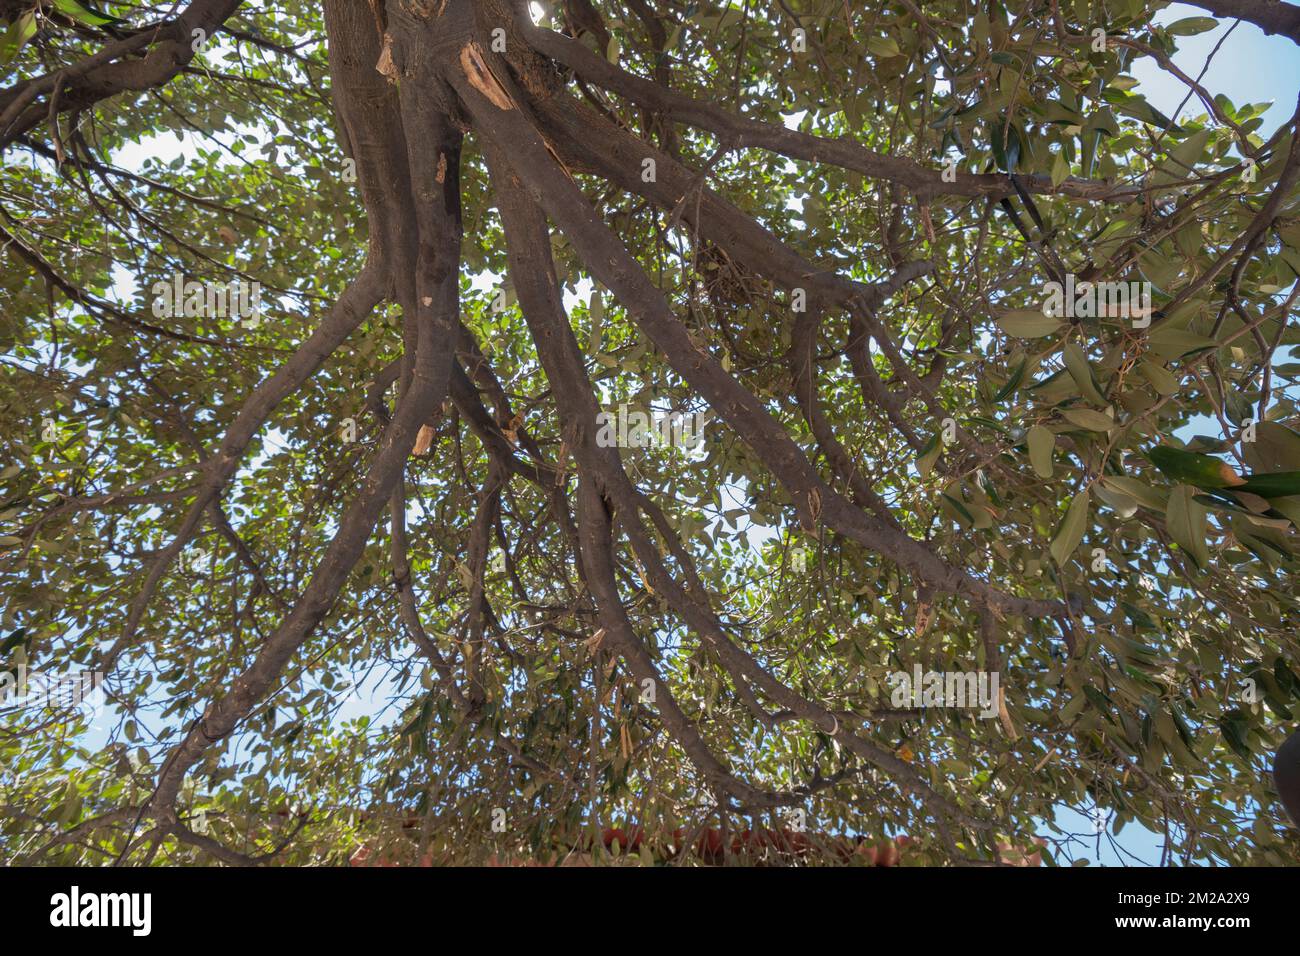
[(920, 469)]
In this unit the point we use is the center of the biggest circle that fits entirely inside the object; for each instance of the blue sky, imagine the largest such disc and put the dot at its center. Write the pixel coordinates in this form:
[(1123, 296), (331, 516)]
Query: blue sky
[(1249, 68)]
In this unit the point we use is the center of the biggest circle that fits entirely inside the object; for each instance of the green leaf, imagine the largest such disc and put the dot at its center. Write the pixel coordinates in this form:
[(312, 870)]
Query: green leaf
[(883, 46), (1161, 379), (1185, 519), (1138, 108), (1235, 726), (70, 809), (1275, 448), (84, 14), (1088, 419), (1060, 169), (1041, 442), (1054, 389), (1076, 363), (1006, 145), (1190, 26), (1012, 383), (1274, 485), (928, 456), (1099, 701), (1070, 533), (1170, 343), (1028, 323), (1204, 471), (1124, 506), (1138, 490), (1187, 153), (1288, 505), (16, 36), (1286, 677), (12, 641), (1180, 722), (958, 507)]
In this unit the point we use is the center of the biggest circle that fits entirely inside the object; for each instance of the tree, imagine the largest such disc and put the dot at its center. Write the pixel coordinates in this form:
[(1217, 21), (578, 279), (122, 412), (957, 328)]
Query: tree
[(655, 402)]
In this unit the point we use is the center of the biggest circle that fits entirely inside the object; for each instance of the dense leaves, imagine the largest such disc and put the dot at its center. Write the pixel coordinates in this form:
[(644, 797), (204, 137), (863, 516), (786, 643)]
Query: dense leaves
[(1103, 501)]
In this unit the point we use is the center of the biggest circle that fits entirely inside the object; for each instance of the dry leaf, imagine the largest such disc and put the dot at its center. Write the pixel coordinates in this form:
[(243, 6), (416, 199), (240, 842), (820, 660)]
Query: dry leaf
[(511, 429), (1046, 757), (423, 441), (1005, 717)]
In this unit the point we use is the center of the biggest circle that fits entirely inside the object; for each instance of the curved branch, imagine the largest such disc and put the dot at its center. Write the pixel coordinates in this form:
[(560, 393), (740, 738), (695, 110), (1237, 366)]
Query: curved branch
[(171, 46), (1271, 16), (533, 272), (740, 131), (615, 268)]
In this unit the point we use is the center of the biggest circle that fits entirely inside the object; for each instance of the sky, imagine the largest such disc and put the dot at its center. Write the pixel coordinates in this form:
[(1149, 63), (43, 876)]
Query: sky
[(1249, 68)]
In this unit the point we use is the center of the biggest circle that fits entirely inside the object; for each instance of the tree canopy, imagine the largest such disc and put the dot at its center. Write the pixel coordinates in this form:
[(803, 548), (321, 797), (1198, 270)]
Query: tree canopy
[(455, 428)]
